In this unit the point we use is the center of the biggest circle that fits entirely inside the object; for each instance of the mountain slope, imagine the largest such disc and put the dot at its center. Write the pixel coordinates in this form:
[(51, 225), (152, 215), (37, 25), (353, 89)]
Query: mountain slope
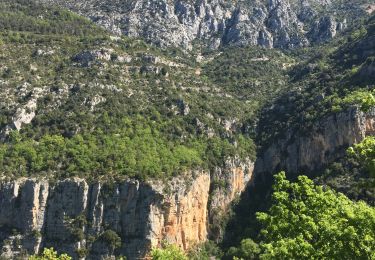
[(338, 76), (105, 137), (309, 128), (139, 96)]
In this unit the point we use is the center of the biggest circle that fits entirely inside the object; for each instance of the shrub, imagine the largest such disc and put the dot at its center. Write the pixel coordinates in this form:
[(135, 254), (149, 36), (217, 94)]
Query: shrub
[(112, 239), (168, 252), (50, 254)]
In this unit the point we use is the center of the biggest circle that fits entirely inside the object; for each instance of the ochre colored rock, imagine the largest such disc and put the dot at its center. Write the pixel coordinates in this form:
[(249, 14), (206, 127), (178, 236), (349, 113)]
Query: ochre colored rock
[(71, 214)]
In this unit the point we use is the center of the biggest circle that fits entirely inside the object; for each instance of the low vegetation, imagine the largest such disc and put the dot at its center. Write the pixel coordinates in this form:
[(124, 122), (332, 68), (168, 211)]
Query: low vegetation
[(168, 252), (50, 254)]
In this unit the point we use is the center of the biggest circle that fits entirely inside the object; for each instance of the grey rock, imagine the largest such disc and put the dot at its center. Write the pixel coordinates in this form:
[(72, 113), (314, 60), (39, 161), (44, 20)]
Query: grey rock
[(228, 183), (183, 106), (327, 141), (71, 214), (215, 23), (89, 57), (325, 29)]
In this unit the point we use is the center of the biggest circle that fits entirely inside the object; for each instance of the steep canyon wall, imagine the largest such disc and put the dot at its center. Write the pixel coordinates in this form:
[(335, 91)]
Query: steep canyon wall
[(72, 215)]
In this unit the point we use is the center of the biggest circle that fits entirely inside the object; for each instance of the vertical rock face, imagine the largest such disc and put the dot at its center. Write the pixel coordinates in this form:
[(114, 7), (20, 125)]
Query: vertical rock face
[(227, 184), (214, 23), (327, 141), (326, 28), (184, 222), (22, 209), (71, 215)]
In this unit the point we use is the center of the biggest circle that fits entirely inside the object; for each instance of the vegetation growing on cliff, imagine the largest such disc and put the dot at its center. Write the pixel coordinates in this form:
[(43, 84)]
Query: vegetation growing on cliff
[(354, 174), (168, 252), (50, 254), (251, 73), (112, 239), (137, 150), (25, 16)]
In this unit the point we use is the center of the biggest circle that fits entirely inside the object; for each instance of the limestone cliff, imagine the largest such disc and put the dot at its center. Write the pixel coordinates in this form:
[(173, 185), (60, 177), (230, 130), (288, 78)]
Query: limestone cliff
[(227, 185), (215, 23), (71, 215), (325, 142)]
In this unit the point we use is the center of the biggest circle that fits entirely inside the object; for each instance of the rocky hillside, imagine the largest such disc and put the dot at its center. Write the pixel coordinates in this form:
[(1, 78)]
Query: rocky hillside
[(309, 128), (271, 23), (326, 141), (326, 87), (84, 92), (110, 146)]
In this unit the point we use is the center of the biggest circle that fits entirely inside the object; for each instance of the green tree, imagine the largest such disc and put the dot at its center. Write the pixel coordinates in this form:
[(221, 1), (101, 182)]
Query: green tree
[(365, 152), (248, 250), (368, 102), (50, 254), (112, 239), (205, 251), (168, 252), (308, 222)]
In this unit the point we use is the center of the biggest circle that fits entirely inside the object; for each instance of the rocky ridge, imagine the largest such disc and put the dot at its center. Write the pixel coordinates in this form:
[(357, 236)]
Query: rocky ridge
[(215, 23)]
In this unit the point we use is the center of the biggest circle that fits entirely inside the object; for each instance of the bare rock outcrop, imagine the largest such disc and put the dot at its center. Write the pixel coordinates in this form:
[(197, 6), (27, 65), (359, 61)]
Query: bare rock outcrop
[(326, 141), (215, 23), (227, 185)]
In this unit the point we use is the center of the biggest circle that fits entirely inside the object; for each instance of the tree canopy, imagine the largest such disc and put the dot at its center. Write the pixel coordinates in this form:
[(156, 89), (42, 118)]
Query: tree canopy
[(365, 152), (308, 221)]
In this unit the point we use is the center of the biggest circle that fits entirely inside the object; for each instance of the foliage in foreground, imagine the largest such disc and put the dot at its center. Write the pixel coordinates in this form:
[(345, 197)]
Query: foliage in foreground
[(168, 252), (309, 222), (365, 152)]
